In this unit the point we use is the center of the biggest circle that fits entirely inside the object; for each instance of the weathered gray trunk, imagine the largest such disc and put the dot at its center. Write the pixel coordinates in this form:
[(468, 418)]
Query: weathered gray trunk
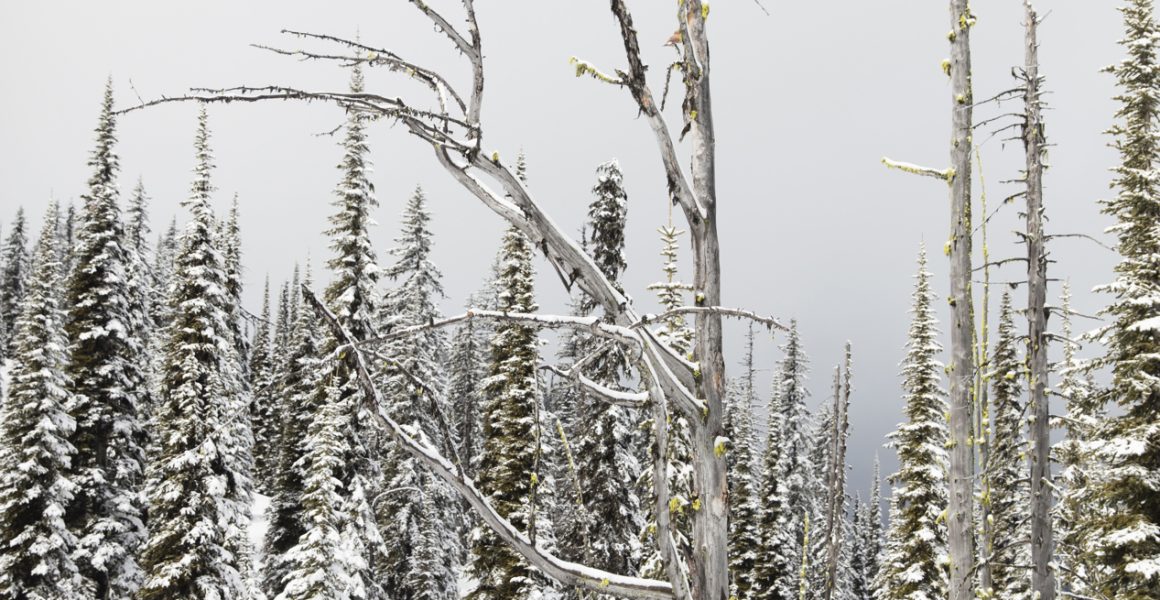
[(837, 476), (960, 519), (1042, 543), (983, 412)]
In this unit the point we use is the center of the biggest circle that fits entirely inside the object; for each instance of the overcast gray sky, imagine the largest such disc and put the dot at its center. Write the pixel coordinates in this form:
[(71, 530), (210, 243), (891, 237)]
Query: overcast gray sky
[(807, 100)]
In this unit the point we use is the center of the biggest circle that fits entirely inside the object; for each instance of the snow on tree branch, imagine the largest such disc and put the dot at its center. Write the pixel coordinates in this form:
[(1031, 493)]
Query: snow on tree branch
[(561, 570)]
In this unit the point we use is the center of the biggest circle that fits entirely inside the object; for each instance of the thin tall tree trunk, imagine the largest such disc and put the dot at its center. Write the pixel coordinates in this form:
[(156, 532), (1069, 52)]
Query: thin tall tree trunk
[(837, 487), (1042, 543), (960, 519), (982, 401)]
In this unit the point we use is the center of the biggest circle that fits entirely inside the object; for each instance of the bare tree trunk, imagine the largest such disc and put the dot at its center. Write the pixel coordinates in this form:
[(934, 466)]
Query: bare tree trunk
[(960, 519), (837, 476), (1042, 543), (694, 389), (982, 402)]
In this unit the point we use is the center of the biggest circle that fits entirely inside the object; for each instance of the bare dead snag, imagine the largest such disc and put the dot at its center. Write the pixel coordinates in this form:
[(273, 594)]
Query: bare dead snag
[(450, 124), (1042, 539), (961, 369)]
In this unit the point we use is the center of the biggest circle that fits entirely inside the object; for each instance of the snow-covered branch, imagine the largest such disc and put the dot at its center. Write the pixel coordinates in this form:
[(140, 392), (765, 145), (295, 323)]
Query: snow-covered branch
[(563, 571), (593, 325), (947, 175), (601, 392), (769, 322)]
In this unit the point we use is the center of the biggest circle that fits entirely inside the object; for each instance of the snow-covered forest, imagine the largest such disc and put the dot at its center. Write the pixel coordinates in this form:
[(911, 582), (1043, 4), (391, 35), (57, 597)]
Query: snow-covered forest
[(346, 437)]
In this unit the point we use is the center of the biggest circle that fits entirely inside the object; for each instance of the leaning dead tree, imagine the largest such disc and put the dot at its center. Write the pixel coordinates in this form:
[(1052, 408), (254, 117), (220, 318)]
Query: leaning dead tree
[(961, 369), (1042, 541), (693, 386)]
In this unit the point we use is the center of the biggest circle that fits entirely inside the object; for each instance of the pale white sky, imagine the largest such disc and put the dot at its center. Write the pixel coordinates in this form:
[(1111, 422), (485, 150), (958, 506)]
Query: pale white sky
[(807, 101)]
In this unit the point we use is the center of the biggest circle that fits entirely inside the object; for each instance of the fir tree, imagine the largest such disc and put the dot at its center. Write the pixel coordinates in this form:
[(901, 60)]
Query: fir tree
[(163, 265), (238, 440), (785, 478), (671, 292), (13, 279), (262, 413), (676, 333), (109, 381), (298, 374), (506, 473), (340, 477), (914, 563), (467, 367), (187, 554), (1008, 494), (603, 439), (1124, 533), (744, 482), (405, 517), (1079, 467), (35, 544), (67, 237)]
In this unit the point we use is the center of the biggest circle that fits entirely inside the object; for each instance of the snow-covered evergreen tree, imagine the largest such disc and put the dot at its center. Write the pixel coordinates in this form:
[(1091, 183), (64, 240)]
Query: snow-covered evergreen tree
[(1124, 533), (506, 472), (1008, 493), (744, 481), (676, 333), (340, 541), (671, 291), (424, 502), (13, 278), (867, 541), (786, 474), (238, 440), (35, 543), (67, 235), (604, 533), (466, 369), (914, 565), (298, 370), (262, 410), (187, 554), (1079, 467), (163, 266), (109, 381)]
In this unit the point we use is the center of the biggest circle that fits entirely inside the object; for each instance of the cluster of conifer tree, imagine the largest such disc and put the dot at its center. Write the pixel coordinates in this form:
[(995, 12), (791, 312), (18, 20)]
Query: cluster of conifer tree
[(149, 421)]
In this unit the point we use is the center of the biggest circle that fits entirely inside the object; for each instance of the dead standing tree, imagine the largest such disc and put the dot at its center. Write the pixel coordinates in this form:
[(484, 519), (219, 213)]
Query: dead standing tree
[(961, 370), (1042, 539), (694, 387)]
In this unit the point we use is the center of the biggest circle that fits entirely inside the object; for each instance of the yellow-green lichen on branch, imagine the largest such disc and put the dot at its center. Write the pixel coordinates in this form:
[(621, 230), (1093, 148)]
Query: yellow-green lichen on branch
[(584, 67)]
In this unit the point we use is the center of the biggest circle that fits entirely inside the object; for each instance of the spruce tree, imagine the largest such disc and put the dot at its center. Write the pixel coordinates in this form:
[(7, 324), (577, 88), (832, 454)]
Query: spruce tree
[(163, 266), (1080, 468), (1125, 531), (423, 522), (340, 476), (262, 413), (466, 369), (187, 554), (744, 481), (35, 543), (914, 564), (1008, 495), (786, 477), (13, 279), (109, 381), (603, 436), (675, 332), (238, 439), (298, 374), (506, 472), (67, 237)]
